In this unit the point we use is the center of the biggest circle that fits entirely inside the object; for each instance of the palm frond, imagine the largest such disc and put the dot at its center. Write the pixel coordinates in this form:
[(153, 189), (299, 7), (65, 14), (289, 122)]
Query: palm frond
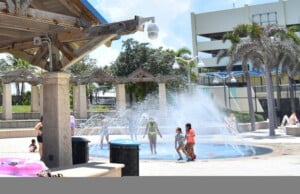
[(274, 29), (255, 31), (221, 54)]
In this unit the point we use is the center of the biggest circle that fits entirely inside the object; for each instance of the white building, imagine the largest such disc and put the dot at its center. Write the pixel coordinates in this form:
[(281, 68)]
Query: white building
[(208, 28), (207, 33)]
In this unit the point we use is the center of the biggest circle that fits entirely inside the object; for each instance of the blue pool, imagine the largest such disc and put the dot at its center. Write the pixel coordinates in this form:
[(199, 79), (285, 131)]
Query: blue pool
[(167, 151)]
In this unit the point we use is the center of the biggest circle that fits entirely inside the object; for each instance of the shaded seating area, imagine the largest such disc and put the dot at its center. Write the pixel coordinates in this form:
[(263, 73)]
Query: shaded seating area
[(53, 35)]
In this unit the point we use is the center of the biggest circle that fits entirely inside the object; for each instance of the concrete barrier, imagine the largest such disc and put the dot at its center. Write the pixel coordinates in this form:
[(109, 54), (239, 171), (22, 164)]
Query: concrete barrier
[(293, 130), (262, 125), (15, 133), (246, 127), (6, 124), (91, 169)]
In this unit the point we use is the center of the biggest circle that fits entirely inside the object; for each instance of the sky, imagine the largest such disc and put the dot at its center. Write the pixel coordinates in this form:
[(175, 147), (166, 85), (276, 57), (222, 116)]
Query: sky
[(173, 18)]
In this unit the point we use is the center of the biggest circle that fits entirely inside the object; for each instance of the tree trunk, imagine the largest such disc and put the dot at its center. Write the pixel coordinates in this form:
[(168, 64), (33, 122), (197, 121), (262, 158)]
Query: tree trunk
[(278, 97), (23, 92), (22, 88), (250, 101), (292, 94), (270, 102), (17, 89)]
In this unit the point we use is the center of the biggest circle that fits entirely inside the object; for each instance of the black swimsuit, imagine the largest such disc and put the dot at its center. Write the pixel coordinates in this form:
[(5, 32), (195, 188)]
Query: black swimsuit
[(40, 137)]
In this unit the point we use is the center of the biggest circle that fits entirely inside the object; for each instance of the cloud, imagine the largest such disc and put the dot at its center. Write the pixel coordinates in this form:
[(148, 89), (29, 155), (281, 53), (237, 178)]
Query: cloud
[(119, 10), (171, 16), (105, 55)]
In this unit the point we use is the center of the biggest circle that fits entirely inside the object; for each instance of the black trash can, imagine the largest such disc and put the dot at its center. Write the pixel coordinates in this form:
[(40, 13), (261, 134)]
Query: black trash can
[(80, 150), (125, 151)]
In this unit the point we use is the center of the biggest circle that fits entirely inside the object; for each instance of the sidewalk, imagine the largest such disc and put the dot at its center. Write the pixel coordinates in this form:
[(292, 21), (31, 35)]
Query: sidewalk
[(283, 161)]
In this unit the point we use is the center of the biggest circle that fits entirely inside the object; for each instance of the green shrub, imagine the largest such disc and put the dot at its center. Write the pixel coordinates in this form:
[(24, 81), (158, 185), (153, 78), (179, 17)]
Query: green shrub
[(245, 117)]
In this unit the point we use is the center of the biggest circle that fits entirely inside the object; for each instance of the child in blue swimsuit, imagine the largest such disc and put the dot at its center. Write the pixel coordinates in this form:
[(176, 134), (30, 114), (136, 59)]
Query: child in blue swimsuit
[(179, 142)]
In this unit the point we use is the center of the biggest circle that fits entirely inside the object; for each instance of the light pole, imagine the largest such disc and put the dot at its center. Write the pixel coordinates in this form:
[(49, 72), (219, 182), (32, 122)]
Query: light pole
[(232, 80), (187, 60)]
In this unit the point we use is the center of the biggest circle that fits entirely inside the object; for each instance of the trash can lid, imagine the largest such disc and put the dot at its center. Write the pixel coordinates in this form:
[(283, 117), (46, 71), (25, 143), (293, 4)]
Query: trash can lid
[(124, 142), (79, 139)]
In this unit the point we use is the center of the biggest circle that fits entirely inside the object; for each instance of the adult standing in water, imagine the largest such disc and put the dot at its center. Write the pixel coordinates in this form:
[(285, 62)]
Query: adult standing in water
[(152, 130), (190, 142), (39, 128)]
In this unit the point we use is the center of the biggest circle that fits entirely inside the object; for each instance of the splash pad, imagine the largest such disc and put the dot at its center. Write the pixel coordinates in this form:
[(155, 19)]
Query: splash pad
[(166, 151), (213, 138)]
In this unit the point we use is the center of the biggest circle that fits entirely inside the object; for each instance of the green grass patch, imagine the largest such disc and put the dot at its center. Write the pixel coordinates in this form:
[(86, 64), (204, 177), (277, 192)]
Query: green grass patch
[(27, 108), (19, 108), (245, 117), (99, 108)]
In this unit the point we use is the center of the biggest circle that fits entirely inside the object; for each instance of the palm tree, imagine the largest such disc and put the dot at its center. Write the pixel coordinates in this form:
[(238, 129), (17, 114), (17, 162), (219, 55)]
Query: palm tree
[(266, 46), (243, 30), (290, 67), (287, 64)]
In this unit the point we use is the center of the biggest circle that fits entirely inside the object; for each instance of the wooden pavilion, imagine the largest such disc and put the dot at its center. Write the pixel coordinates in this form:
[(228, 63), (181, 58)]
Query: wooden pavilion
[(54, 34)]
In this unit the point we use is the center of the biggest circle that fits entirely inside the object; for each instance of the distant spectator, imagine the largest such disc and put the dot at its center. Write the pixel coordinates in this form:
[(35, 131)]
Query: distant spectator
[(72, 124), (292, 120)]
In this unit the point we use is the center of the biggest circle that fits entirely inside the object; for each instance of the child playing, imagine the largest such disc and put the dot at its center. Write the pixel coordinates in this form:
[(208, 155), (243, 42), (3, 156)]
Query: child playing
[(32, 146), (104, 133), (179, 142)]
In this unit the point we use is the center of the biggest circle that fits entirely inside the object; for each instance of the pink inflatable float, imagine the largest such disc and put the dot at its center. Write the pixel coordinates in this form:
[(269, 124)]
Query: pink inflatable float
[(20, 167)]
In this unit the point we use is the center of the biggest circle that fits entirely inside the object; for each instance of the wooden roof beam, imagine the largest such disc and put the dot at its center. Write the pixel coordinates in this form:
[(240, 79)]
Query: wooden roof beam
[(86, 49), (70, 6), (65, 49), (93, 44), (14, 33), (21, 54), (42, 54), (49, 17), (26, 24), (17, 44), (118, 28)]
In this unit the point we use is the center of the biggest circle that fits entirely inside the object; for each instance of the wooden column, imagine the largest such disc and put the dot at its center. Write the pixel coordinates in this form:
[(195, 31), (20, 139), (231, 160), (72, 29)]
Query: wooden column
[(162, 96), (6, 102), (41, 99), (79, 102), (57, 145), (35, 99), (121, 97)]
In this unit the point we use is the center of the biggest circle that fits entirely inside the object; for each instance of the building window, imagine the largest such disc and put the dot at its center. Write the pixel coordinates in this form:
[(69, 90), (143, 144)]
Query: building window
[(264, 19)]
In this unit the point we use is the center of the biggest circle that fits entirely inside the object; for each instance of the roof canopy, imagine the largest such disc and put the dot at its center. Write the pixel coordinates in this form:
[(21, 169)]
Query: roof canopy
[(67, 30)]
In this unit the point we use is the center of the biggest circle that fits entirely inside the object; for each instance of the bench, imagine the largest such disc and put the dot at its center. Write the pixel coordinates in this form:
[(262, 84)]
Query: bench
[(15, 133), (293, 130), (90, 169)]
